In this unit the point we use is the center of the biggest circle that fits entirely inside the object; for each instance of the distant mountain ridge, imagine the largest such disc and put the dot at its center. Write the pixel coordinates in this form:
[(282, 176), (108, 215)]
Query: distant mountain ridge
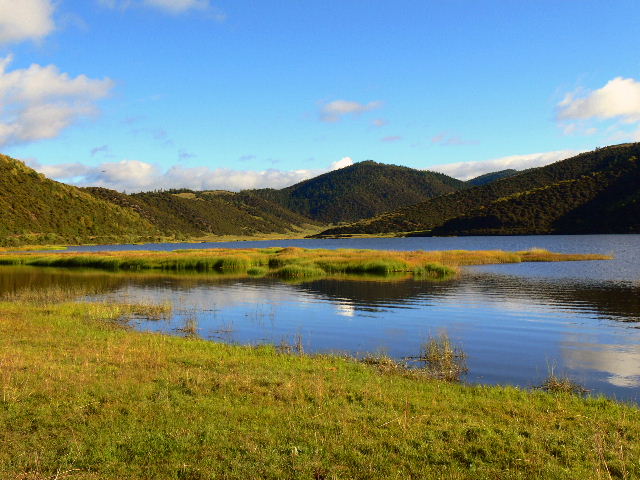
[(362, 190), (95, 214), (559, 198)]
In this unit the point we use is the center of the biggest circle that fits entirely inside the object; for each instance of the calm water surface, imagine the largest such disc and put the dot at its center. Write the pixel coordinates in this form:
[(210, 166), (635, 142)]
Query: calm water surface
[(515, 322)]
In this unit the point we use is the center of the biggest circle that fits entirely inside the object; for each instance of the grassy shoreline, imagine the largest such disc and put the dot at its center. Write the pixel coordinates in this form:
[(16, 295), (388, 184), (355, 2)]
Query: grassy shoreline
[(292, 262), (84, 398)]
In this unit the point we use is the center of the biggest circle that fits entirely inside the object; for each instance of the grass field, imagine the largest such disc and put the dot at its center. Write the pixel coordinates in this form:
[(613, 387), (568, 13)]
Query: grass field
[(84, 397)]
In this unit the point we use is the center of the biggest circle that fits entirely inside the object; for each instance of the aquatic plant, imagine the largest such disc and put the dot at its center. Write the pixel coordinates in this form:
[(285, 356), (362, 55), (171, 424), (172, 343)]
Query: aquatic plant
[(441, 359), (561, 384)]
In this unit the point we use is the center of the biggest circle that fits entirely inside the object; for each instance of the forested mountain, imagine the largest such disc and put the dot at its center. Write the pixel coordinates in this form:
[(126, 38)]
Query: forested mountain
[(491, 177), (595, 192), (184, 213), (37, 210), (590, 193), (362, 190)]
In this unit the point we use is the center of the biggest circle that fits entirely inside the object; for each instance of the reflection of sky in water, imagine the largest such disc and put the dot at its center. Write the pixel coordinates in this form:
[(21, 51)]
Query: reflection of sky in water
[(620, 363)]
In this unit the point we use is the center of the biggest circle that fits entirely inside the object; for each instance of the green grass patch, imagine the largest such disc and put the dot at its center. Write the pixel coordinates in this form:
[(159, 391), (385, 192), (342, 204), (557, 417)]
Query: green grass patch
[(292, 272), (81, 397), (433, 271)]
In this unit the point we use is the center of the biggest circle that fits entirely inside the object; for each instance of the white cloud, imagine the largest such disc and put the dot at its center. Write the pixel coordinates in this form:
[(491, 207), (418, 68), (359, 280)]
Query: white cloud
[(617, 104), (25, 20), (619, 98), (334, 111), (342, 163), (136, 176), (468, 170), (39, 102)]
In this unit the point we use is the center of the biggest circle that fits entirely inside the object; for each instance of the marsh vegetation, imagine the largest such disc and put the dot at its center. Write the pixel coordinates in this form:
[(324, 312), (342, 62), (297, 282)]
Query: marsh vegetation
[(291, 262)]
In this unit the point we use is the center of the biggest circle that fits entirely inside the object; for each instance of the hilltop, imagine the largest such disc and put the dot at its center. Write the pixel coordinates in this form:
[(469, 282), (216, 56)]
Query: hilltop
[(359, 191), (594, 192)]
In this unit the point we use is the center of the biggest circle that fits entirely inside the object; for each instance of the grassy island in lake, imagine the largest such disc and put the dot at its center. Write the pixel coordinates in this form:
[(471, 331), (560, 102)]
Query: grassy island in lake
[(291, 262)]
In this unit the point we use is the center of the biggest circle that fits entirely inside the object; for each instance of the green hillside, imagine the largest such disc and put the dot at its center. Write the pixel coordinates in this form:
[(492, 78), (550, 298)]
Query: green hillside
[(185, 213), (36, 210), (362, 190), (559, 198)]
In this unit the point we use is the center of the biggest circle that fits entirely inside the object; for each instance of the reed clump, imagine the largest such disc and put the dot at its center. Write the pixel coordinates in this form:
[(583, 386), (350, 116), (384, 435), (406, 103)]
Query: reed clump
[(441, 359), (562, 384), (190, 327), (147, 311)]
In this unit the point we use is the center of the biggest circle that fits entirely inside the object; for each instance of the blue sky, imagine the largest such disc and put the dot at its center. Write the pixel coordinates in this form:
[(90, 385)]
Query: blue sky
[(141, 94)]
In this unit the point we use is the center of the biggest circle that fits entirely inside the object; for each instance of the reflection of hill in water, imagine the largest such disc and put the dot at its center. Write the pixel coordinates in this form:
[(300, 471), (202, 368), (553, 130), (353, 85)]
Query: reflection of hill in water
[(619, 302), (15, 279), (616, 301)]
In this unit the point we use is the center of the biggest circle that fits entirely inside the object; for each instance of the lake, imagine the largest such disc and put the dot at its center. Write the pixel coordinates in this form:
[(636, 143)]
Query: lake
[(515, 322)]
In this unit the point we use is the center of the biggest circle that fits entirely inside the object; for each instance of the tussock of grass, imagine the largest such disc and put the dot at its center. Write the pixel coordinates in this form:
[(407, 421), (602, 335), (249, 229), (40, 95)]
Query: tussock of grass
[(82, 398), (441, 359), (257, 271), (433, 271), (148, 311), (562, 384), (295, 271), (190, 327)]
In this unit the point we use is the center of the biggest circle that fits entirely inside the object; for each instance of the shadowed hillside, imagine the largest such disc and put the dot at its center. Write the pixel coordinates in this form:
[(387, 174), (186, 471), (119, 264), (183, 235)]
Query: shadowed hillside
[(595, 192), (362, 190), (491, 177)]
